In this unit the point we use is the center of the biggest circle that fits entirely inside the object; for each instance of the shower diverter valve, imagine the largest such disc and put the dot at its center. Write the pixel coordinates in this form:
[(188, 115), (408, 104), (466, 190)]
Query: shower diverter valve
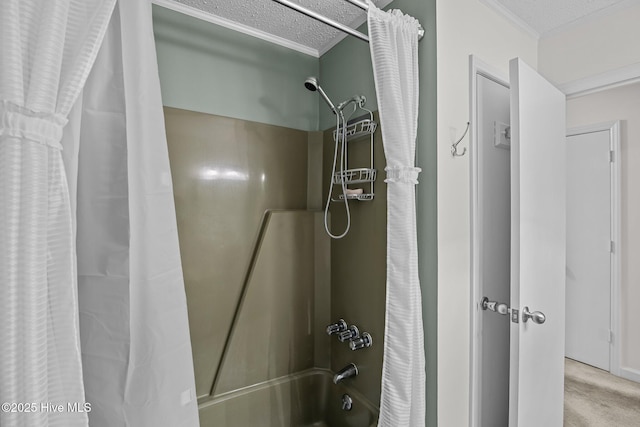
[(362, 341), (349, 334)]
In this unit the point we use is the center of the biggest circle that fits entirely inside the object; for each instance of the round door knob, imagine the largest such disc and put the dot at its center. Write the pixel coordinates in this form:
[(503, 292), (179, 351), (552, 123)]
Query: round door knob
[(537, 316)]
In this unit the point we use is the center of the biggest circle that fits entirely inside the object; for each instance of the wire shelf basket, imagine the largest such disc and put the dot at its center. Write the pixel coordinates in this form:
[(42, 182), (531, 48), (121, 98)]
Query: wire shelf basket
[(355, 176), (357, 130), (361, 197), (358, 127)]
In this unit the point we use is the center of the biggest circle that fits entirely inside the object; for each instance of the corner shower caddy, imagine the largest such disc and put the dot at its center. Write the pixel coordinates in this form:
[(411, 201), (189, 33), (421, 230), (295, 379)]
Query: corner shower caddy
[(354, 130)]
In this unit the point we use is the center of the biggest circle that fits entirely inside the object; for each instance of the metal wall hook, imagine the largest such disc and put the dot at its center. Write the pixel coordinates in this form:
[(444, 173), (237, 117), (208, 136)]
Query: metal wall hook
[(454, 146)]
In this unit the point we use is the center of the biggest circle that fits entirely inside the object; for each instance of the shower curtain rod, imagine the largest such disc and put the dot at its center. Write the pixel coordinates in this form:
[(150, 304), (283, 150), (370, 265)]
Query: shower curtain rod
[(197, 13), (337, 25)]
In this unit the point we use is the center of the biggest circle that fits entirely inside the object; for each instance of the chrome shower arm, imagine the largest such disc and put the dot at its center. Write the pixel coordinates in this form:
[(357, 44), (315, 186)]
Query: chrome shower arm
[(327, 100)]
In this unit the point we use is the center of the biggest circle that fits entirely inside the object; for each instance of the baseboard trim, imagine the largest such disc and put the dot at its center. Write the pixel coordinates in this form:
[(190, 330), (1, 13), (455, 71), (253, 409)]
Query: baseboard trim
[(630, 374)]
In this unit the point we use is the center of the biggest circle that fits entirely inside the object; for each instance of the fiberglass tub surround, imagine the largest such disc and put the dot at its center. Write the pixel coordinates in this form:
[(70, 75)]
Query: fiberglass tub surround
[(258, 267), (248, 182)]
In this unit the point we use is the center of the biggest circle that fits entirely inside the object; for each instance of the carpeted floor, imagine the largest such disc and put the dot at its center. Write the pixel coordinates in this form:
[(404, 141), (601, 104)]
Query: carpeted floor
[(595, 398)]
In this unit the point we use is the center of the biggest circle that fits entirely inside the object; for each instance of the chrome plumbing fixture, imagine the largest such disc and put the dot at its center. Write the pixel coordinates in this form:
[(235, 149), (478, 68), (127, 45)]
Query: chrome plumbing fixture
[(347, 402), (341, 174), (336, 328), (362, 341), (349, 334), (351, 370), (360, 100), (312, 84)]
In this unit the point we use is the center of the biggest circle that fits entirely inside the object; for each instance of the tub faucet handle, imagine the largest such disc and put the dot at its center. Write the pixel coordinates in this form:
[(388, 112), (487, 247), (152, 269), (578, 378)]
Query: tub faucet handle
[(347, 402), (361, 342), (349, 334), (336, 328)]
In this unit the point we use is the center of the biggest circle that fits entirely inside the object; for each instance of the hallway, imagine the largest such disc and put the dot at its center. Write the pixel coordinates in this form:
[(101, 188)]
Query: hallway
[(595, 398)]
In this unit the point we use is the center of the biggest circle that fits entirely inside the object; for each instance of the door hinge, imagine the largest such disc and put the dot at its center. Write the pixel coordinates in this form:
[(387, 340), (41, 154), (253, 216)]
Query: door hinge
[(612, 246), (612, 156), (610, 336)]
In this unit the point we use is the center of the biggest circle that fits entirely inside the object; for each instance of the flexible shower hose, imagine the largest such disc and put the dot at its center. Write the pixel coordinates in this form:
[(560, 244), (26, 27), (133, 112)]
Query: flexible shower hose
[(341, 137)]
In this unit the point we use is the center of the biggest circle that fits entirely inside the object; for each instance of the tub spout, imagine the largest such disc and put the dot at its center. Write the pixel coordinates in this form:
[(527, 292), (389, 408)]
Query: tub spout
[(351, 370)]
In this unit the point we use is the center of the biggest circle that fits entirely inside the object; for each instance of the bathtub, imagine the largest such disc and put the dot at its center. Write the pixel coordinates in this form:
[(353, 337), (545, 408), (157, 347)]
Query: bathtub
[(305, 399)]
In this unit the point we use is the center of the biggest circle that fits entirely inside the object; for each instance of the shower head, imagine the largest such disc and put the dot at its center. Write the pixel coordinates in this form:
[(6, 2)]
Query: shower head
[(312, 84)]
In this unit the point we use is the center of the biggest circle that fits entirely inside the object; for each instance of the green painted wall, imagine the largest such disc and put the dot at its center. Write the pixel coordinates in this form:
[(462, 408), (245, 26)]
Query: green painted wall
[(346, 70), (212, 69)]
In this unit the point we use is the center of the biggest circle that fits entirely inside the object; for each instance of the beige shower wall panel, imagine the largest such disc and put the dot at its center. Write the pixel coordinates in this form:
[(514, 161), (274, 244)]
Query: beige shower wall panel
[(358, 267), (274, 334), (226, 173)]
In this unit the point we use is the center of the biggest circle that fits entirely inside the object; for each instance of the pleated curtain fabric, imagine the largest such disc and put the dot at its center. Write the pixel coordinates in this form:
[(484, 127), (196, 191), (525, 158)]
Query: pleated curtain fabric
[(393, 40), (47, 49), (136, 349)]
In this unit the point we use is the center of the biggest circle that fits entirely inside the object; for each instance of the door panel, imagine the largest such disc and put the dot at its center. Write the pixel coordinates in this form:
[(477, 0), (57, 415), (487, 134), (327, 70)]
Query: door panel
[(494, 219), (538, 216), (588, 248)]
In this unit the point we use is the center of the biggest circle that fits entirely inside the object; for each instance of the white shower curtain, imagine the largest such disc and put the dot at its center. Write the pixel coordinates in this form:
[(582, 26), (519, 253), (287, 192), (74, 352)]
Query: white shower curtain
[(136, 354), (47, 49), (134, 331), (393, 40)]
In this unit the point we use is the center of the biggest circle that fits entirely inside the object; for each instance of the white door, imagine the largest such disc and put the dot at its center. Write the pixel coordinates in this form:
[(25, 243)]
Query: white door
[(493, 213), (538, 216), (588, 293)]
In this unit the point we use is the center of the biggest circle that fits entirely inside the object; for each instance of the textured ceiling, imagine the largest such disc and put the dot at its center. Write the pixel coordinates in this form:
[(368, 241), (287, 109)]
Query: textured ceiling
[(544, 16), (276, 19), (269, 18)]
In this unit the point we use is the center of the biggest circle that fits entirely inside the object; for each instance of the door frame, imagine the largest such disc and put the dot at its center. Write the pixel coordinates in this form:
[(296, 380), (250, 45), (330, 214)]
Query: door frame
[(613, 128), (572, 89), (476, 68), (479, 68)]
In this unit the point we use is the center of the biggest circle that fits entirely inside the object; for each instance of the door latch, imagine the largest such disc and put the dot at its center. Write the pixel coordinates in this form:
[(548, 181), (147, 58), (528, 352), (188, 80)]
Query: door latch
[(500, 308), (514, 315)]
